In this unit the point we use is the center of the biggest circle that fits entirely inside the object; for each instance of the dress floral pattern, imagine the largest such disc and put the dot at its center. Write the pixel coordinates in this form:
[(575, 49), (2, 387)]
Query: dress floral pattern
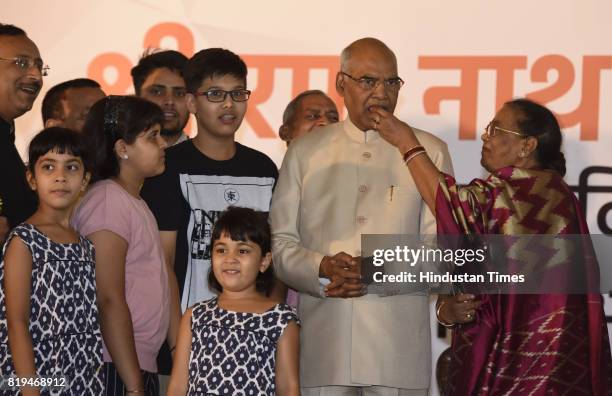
[(233, 353), (64, 316)]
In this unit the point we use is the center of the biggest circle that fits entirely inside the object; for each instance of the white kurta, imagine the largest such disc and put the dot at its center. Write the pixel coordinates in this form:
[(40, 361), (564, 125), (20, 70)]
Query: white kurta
[(335, 184)]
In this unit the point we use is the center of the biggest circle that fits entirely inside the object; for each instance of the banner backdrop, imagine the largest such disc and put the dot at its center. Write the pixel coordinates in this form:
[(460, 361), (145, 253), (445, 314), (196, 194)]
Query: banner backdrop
[(460, 61)]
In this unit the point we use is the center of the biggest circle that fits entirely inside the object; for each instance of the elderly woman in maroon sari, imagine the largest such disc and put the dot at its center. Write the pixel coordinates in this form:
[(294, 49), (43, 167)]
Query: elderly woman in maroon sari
[(513, 344)]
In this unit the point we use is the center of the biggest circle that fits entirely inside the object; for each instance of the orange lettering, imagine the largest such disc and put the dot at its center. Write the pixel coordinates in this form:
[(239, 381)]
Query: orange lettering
[(467, 91), (181, 33), (587, 112), (122, 65)]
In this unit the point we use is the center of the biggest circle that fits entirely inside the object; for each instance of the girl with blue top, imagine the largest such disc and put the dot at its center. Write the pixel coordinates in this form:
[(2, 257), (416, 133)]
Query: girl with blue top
[(242, 342)]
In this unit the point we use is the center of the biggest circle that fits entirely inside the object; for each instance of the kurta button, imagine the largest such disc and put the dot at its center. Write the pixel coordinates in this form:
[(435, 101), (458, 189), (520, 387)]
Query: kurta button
[(366, 155), (363, 188), (361, 219)]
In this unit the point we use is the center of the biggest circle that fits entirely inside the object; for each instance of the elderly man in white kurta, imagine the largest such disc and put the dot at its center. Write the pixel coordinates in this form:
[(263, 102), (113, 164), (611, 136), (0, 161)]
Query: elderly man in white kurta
[(337, 183)]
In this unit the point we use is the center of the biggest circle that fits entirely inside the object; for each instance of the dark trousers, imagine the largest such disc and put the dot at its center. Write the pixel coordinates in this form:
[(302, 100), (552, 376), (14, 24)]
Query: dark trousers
[(114, 385)]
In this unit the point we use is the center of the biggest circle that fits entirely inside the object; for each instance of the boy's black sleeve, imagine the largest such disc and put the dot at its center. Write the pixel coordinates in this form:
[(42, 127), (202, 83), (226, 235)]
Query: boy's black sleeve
[(163, 195), (274, 173)]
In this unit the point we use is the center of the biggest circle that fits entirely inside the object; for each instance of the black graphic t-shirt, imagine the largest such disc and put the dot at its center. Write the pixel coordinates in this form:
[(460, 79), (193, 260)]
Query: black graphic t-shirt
[(191, 194)]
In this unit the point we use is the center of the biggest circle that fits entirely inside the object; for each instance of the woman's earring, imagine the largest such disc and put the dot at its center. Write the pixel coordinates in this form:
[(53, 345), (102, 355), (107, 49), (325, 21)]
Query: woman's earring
[(125, 156)]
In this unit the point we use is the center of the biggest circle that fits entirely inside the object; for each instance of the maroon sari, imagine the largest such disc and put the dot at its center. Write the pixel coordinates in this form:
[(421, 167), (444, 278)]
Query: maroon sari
[(546, 344)]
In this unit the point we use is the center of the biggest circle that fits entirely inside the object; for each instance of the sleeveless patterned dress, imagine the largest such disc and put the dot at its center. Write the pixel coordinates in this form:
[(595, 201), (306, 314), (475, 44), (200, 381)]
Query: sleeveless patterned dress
[(233, 353), (63, 314)]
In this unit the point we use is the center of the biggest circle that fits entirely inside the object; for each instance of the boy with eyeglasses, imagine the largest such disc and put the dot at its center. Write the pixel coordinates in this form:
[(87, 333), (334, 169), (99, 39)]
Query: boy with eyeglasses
[(208, 173)]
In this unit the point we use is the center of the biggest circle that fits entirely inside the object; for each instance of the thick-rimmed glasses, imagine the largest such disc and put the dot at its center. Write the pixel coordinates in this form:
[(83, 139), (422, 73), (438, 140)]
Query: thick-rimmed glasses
[(369, 83), (219, 95), (491, 130), (25, 63)]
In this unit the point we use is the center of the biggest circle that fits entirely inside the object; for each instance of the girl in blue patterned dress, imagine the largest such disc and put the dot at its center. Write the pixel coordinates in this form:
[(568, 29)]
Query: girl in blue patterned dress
[(49, 328), (242, 342)]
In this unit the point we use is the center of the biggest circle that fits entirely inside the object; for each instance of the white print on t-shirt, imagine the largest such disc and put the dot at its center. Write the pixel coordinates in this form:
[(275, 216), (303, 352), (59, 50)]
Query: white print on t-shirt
[(208, 197)]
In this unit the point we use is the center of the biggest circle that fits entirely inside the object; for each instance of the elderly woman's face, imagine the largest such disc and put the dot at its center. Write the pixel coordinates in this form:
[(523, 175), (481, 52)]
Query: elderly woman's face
[(500, 146)]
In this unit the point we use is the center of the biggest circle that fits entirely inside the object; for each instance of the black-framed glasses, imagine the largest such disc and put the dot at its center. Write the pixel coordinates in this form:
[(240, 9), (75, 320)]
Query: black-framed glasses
[(491, 130), (25, 63), (219, 95), (368, 83)]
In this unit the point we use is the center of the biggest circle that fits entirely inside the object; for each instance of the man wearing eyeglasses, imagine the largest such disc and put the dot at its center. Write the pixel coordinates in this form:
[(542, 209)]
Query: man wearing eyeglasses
[(337, 183), (21, 71), (208, 173), (308, 110)]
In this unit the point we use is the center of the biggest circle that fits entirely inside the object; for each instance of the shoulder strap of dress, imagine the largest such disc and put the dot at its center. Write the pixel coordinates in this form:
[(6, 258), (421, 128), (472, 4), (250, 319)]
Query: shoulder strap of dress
[(289, 313), (23, 231)]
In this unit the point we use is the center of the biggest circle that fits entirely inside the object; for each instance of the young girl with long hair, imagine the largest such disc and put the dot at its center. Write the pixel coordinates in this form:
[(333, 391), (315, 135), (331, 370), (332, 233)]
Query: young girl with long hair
[(134, 288)]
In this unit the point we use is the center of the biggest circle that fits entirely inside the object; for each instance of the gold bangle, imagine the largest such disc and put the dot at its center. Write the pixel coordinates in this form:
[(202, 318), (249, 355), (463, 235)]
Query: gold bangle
[(438, 316)]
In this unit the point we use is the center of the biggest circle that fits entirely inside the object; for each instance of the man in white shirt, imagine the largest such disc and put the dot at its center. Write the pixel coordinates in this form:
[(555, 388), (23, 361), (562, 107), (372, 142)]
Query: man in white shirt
[(336, 183)]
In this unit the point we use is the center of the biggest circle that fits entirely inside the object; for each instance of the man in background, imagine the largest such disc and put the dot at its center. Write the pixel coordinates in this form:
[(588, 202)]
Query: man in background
[(306, 111), (158, 77), (67, 104)]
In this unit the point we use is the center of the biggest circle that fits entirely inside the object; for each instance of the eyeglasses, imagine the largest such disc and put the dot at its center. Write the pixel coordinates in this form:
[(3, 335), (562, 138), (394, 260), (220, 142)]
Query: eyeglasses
[(369, 83), (219, 95), (491, 130), (25, 63)]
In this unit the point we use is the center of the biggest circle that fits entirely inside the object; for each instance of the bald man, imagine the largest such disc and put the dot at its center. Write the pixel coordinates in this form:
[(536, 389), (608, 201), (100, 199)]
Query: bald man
[(336, 183), (308, 110)]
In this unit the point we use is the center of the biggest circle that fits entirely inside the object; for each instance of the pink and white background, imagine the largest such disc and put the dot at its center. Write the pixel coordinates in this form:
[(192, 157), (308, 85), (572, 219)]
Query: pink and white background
[(460, 60)]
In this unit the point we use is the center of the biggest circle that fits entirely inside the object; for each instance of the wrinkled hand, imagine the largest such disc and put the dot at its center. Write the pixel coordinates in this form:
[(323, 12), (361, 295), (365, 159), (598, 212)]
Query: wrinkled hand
[(344, 272), (459, 309), (392, 129), (4, 229)]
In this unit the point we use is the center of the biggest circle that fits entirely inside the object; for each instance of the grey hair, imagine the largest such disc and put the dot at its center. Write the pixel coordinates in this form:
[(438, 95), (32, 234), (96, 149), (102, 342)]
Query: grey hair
[(345, 56), (292, 106)]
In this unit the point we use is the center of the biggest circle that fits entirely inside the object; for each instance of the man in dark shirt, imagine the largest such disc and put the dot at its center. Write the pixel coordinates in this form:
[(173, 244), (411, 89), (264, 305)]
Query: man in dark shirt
[(158, 77), (21, 71)]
